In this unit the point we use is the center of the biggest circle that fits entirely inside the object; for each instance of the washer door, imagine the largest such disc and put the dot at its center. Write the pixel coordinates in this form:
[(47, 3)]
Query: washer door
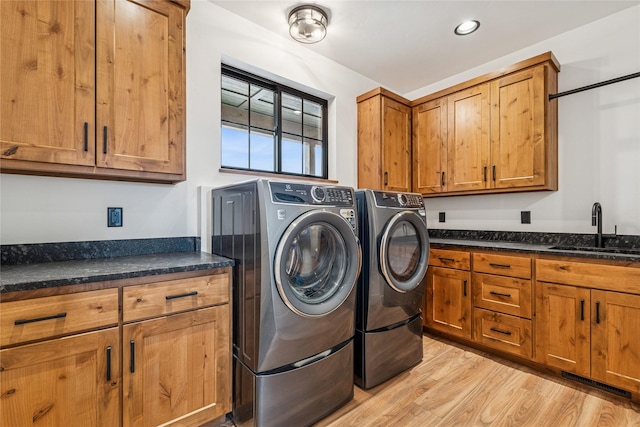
[(404, 251), (317, 263)]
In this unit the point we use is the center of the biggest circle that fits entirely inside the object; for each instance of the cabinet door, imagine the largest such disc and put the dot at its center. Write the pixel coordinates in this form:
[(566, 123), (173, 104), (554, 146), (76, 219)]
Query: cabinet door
[(177, 368), (518, 129), (468, 139), (430, 146), (71, 381), (140, 64), (449, 301), (396, 145), (47, 77), (563, 327), (615, 343)]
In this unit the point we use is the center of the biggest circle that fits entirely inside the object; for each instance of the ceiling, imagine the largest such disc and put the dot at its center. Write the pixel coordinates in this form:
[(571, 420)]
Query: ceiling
[(405, 45)]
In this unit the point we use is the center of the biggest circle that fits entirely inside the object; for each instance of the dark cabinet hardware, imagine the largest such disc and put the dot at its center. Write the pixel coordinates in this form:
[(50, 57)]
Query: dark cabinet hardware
[(40, 319), (442, 179), (494, 265), (446, 259), (190, 294), (132, 364), (386, 178), (484, 174), (582, 309), (86, 136), (493, 172), (500, 294), (109, 363), (501, 331), (597, 311), (104, 140), (464, 287)]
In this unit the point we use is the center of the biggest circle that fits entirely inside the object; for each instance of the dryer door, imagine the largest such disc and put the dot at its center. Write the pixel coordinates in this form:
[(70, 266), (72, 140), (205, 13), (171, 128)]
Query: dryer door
[(317, 263), (404, 251)]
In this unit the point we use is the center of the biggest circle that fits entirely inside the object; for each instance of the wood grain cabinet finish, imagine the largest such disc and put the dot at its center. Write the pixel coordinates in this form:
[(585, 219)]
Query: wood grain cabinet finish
[(448, 297), (384, 141), (586, 327), (503, 302), (93, 89), (500, 135), (177, 366), (66, 377)]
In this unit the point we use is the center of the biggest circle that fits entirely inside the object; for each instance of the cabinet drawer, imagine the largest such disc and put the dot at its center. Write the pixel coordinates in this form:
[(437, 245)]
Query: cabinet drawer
[(607, 277), (157, 299), (40, 318), (504, 294), (503, 265), (451, 259), (502, 332)]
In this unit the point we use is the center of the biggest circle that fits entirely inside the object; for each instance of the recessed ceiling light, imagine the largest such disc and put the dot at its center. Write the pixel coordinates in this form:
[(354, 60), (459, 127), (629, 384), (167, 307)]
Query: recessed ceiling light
[(467, 27)]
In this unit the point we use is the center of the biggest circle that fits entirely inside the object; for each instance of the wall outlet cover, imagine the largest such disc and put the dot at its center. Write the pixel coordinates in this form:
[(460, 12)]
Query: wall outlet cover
[(441, 217), (525, 217), (114, 217)]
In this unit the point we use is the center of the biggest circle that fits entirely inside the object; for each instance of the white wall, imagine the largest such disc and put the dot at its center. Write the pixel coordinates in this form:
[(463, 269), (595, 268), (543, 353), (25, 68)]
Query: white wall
[(47, 209), (598, 138)]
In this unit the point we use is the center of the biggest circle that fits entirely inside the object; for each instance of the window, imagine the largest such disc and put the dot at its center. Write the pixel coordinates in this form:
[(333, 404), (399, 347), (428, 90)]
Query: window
[(268, 127)]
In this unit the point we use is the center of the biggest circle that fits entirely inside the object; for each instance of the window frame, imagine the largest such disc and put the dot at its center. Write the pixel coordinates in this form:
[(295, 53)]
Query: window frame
[(278, 89)]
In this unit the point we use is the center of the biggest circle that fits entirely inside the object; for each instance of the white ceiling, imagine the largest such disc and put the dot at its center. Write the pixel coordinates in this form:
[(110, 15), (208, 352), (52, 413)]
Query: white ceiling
[(407, 44)]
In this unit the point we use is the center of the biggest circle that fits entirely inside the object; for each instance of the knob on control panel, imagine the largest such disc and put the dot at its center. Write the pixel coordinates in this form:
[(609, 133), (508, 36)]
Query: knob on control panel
[(402, 199), (318, 194)]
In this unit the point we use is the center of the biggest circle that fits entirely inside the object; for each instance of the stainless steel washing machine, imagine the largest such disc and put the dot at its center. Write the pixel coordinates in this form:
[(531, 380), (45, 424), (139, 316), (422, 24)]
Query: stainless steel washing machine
[(390, 291), (297, 259)]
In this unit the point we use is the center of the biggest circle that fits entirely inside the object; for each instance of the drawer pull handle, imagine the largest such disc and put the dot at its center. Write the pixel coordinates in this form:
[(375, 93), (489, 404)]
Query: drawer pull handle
[(597, 311), (446, 259), (494, 265), (500, 294), (500, 331), (190, 294), (109, 363), (464, 287), (132, 364), (582, 309), (40, 319)]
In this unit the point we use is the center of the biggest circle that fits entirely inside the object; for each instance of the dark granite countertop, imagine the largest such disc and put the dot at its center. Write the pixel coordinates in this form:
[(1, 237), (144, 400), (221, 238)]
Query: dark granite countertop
[(32, 276), (537, 248)]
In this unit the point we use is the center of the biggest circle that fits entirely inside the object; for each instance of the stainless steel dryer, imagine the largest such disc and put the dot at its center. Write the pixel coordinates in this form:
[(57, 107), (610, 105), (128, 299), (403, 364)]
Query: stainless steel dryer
[(395, 253), (297, 259)]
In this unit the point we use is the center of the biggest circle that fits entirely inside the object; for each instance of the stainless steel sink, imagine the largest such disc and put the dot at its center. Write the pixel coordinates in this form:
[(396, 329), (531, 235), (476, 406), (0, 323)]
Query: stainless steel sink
[(615, 250)]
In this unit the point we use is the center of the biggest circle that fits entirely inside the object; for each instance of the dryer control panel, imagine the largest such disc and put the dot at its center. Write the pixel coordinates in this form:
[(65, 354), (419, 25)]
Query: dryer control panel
[(387, 199), (306, 194)]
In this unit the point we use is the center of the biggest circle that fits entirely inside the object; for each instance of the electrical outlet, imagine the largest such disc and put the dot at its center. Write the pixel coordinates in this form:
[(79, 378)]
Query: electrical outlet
[(441, 217), (525, 217), (114, 217)]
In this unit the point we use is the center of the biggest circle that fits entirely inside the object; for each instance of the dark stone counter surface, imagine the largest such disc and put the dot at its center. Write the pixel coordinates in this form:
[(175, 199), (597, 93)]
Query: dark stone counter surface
[(619, 248), (34, 266)]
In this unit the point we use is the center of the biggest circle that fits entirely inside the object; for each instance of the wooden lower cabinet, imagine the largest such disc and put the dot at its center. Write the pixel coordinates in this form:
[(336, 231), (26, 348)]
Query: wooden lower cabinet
[(177, 368), (69, 381), (448, 304), (592, 333)]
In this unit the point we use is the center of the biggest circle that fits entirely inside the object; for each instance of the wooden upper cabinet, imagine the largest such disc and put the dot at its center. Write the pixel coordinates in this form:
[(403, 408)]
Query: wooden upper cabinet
[(430, 142), (521, 144), (93, 89), (140, 110), (468, 139), (501, 133), (47, 81), (384, 141)]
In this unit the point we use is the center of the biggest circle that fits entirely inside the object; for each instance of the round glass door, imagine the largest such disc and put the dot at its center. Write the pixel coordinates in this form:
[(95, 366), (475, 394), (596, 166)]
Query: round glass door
[(317, 263), (404, 251)]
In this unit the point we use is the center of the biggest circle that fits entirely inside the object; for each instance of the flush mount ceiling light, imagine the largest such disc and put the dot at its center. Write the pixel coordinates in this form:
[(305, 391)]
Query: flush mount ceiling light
[(308, 24), (467, 27)]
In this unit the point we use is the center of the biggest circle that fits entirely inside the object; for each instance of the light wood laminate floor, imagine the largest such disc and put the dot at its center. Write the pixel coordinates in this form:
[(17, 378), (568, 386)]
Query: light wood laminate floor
[(458, 386)]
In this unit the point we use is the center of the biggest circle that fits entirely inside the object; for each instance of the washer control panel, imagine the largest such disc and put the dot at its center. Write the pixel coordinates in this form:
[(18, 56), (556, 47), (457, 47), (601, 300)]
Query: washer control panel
[(387, 199), (306, 194)]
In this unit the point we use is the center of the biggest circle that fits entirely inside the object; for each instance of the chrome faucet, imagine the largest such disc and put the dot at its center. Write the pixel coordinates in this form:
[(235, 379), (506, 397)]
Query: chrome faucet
[(596, 219)]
